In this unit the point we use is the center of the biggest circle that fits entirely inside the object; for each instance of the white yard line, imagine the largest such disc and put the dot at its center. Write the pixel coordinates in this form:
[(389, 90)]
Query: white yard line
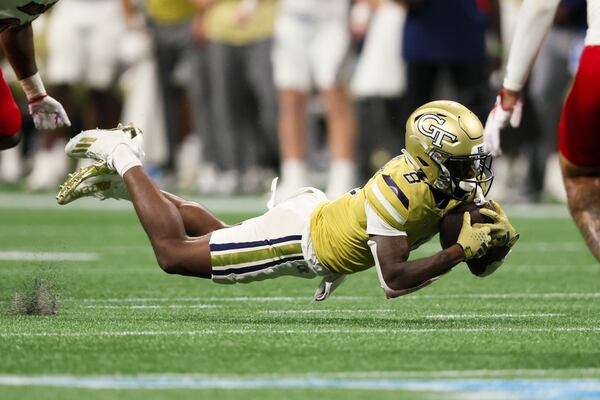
[(144, 306), (267, 331), (512, 296), (492, 315), (23, 255), (234, 299), (388, 310), (437, 374), (335, 298), (328, 311)]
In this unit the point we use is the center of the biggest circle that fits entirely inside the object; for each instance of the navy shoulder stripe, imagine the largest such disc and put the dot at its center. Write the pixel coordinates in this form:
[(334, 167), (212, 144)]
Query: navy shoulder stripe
[(399, 194)]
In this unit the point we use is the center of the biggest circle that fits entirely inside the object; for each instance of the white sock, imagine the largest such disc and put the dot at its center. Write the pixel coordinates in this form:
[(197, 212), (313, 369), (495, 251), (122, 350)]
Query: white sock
[(124, 159), (342, 177), (294, 171)]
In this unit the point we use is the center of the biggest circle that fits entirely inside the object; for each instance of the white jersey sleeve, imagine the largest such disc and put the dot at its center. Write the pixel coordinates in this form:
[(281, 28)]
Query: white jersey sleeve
[(377, 226), (533, 24)]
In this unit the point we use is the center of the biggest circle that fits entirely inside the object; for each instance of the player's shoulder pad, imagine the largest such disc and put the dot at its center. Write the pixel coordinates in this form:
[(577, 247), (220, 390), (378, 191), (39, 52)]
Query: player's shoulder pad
[(391, 193)]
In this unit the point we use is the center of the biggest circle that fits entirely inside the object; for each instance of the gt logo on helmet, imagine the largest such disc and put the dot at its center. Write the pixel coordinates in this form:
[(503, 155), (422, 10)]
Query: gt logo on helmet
[(434, 132)]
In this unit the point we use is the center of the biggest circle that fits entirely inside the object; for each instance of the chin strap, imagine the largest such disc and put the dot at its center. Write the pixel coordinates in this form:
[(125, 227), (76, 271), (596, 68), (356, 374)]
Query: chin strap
[(410, 159), (271, 203)]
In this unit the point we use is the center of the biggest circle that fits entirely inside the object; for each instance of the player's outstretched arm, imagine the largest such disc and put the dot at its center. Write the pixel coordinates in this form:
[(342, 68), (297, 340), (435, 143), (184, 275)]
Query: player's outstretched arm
[(397, 275), (533, 24)]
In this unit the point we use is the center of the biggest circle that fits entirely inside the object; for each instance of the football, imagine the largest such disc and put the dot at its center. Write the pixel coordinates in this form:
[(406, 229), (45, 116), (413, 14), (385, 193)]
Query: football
[(450, 228)]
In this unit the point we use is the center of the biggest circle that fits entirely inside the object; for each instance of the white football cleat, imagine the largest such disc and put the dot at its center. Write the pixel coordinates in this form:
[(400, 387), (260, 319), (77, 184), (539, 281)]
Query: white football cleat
[(96, 180), (99, 144)]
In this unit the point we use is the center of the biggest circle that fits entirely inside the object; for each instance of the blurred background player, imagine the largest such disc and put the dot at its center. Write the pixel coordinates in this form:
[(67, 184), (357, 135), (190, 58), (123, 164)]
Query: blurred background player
[(16, 38), (447, 39), (312, 41), (179, 73), (242, 101), (551, 78), (82, 40), (579, 132), (379, 81)]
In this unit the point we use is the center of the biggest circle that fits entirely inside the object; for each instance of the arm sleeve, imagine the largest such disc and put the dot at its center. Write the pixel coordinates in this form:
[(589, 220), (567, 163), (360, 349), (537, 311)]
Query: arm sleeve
[(377, 226), (391, 293), (534, 22)]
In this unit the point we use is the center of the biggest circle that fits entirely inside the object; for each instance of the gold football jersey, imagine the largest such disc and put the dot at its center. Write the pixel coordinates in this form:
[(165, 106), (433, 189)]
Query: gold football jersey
[(338, 228)]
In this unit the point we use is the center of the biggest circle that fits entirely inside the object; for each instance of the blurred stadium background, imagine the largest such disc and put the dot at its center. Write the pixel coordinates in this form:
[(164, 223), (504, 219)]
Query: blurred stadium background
[(197, 76)]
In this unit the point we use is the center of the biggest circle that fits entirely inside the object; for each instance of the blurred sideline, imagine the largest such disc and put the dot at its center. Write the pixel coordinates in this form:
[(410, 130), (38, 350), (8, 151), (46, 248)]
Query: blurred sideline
[(236, 204)]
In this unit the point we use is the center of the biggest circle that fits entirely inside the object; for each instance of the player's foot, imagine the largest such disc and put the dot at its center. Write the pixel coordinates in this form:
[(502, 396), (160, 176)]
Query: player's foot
[(99, 144), (96, 180)]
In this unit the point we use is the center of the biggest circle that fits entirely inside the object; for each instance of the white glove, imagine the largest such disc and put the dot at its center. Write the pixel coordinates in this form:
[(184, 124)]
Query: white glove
[(497, 119), (48, 113)]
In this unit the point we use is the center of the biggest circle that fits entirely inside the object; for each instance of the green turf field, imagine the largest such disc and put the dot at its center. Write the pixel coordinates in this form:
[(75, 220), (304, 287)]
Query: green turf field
[(127, 330)]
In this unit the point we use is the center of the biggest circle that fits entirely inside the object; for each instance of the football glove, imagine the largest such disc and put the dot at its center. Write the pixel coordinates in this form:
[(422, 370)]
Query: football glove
[(502, 231), (475, 240), (48, 113), (497, 119)]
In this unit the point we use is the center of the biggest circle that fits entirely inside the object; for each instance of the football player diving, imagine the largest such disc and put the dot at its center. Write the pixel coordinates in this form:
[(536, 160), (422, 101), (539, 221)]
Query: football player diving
[(307, 235)]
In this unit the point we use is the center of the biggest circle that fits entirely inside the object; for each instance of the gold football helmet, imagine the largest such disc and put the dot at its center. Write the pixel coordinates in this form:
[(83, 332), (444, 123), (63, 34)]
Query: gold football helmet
[(445, 141)]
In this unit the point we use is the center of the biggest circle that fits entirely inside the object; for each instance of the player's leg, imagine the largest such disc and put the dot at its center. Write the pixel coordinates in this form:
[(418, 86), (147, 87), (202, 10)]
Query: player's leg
[(583, 196), (10, 117), (119, 150), (328, 54), (175, 251), (341, 123), (98, 181), (197, 219), (292, 79), (292, 124), (579, 141)]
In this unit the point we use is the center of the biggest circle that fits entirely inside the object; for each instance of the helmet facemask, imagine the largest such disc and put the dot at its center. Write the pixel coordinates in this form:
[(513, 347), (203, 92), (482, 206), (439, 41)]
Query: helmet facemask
[(461, 176)]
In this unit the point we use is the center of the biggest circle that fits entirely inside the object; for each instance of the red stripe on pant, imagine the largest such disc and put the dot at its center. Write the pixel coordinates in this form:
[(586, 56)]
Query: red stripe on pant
[(10, 115)]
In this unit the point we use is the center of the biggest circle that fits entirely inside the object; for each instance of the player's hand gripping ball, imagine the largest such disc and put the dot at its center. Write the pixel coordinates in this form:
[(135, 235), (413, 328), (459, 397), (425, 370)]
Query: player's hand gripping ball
[(503, 235)]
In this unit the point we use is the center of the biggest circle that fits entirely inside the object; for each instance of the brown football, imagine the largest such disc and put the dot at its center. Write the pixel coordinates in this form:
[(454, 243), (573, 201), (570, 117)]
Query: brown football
[(450, 228)]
